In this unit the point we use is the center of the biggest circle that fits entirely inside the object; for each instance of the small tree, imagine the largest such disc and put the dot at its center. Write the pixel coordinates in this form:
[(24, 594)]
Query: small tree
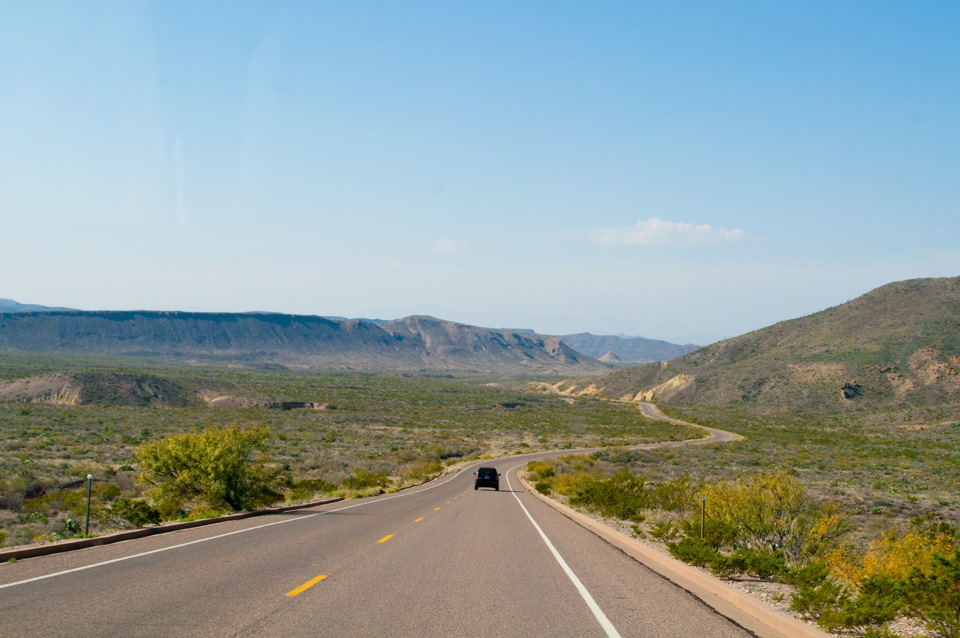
[(222, 467)]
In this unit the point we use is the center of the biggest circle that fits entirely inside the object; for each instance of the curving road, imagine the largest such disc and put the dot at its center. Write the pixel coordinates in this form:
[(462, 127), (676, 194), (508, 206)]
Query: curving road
[(441, 560)]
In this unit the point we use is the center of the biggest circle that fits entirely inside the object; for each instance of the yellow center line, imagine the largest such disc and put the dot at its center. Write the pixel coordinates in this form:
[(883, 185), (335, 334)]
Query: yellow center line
[(385, 538), (307, 585), (448, 502), (436, 509), (419, 519)]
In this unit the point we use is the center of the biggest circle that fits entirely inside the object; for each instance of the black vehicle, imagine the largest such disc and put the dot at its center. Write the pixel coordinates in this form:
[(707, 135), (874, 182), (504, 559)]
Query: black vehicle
[(487, 477)]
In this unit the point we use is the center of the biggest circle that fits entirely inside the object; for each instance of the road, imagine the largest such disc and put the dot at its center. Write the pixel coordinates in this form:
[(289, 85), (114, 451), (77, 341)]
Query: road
[(442, 560)]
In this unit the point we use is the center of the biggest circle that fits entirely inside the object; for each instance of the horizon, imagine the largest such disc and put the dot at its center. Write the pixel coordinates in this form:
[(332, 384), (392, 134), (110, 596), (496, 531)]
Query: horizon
[(672, 171)]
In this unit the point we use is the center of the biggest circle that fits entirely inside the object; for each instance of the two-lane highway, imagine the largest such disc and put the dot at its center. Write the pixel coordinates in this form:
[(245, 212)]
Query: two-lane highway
[(441, 560)]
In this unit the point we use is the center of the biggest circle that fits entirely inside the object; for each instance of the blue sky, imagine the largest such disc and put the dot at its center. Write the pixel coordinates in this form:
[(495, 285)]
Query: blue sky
[(678, 170)]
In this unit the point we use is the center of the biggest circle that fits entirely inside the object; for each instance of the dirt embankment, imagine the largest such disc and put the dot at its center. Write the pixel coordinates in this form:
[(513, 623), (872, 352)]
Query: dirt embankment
[(58, 389)]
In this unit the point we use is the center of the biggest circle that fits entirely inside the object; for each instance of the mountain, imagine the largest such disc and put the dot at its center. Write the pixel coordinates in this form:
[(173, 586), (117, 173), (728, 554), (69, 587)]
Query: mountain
[(632, 349), (895, 346), (414, 343), (9, 305)]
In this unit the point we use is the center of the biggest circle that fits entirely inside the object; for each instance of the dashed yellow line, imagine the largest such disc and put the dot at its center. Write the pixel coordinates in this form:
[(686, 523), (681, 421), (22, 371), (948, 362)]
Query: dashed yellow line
[(436, 509), (419, 519), (307, 585), (385, 538)]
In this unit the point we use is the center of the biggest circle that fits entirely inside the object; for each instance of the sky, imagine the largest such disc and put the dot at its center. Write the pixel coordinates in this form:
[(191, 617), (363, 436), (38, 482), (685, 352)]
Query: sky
[(686, 171)]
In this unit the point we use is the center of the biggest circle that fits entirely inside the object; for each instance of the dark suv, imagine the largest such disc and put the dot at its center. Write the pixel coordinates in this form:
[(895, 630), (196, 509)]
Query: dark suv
[(487, 477)]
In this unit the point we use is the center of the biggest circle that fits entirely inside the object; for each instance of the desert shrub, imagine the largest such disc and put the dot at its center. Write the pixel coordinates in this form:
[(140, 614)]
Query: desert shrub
[(544, 487), (934, 596), (571, 484), (877, 602), (420, 470), (169, 510), (540, 470), (895, 552), (364, 479), (772, 510), (693, 550), (69, 527), (622, 496), (815, 590), (665, 531), (106, 491), (307, 488), (578, 462), (136, 512), (716, 533), (223, 468), (677, 495), (764, 564)]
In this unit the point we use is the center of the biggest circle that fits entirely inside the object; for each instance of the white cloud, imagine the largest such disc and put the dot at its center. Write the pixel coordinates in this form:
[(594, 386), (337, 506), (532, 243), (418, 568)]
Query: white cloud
[(449, 246), (660, 232)]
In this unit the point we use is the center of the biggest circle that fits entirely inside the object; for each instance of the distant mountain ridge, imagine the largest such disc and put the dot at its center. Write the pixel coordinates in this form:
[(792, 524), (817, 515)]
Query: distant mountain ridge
[(413, 343), (9, 305), (898, 345), (625, 349)]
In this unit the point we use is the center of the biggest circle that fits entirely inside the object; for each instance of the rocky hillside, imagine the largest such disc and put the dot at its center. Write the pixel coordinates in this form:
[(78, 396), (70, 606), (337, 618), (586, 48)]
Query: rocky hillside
[(441, 341), (415, 343), (897, 345), (625, 349)]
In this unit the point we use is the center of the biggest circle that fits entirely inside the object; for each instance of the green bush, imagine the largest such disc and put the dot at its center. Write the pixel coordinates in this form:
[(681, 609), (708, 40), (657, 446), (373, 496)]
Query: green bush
[(716, 533), (878, 601), (223, 468), (676, 495), (816, 591), (934, 597), (666, 531), (106, 491), (137, 513), (69, 527), (540, 470), (544, 487), (622, 496), (363, 479), (308, 488), (694, 551), (170, 510), (764, 564)]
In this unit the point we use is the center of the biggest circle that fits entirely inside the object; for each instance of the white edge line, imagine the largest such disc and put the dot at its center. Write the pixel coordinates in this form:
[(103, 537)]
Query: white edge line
[(601, 617)]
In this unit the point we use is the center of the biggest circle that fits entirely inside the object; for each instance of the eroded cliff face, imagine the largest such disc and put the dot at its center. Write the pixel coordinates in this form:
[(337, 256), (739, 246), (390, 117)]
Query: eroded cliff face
[(667, 390)]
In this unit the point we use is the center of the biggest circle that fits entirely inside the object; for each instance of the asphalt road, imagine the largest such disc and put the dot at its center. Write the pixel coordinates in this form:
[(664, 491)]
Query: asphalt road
[(441, 560)]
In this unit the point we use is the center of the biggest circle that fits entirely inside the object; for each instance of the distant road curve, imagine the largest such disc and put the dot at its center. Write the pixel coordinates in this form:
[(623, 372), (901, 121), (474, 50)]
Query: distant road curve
[(651, 411)]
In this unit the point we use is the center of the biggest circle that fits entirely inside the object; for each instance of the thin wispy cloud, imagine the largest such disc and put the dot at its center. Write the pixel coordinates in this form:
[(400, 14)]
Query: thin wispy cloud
[(661, 232), (449, 246)]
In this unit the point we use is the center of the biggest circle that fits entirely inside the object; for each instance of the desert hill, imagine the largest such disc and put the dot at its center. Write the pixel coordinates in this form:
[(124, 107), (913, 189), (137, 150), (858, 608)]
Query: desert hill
[(415, 343), (897, 345), (97, 387)]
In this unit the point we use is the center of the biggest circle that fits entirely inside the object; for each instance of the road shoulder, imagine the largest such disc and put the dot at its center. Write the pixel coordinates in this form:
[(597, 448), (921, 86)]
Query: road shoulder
[(743, 609)]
